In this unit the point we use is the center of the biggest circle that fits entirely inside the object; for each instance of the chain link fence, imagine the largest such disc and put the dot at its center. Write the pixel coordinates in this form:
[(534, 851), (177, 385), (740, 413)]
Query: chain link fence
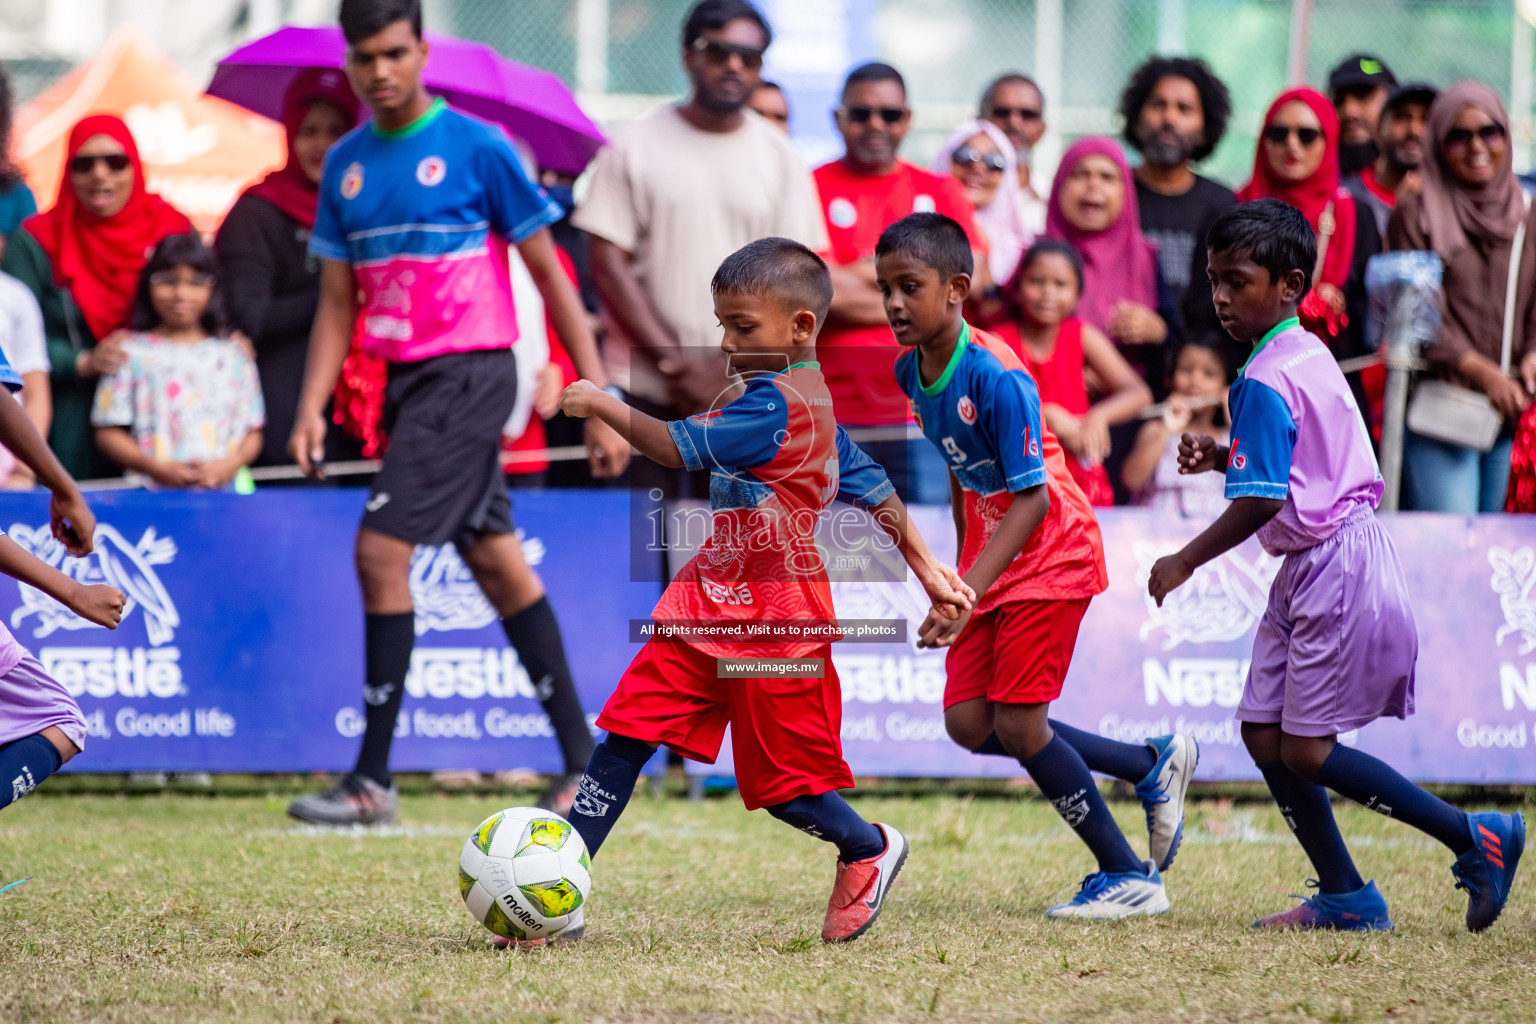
[(950, 49)]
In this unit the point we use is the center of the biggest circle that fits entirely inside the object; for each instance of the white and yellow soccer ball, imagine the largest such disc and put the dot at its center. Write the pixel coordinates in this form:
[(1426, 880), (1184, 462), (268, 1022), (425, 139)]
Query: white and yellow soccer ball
[(524, 872)]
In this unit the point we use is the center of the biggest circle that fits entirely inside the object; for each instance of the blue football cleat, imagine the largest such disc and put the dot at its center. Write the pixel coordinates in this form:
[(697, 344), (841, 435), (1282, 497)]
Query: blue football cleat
[(1359, 911), (1162, 794), (1488, 869)]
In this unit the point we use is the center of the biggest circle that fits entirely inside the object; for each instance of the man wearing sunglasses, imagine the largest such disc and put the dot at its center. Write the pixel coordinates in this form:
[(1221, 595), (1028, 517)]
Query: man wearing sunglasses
[(863, 193), (1175, 111), (671, 196), (1015, 104)]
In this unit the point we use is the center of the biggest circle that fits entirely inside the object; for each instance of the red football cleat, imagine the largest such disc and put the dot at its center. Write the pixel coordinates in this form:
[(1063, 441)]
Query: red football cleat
[(860, 890)]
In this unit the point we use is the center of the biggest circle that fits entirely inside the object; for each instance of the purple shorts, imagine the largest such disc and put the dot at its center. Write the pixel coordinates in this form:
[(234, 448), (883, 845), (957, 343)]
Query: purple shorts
[(31, 700), (1336, 647)]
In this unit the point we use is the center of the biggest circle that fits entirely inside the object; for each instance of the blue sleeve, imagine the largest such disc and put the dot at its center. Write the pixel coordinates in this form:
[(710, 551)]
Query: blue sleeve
[(515, 206), (1012, 418), (327, 240), (859, 476), (9, 377), (1263, 437), (748, 432)]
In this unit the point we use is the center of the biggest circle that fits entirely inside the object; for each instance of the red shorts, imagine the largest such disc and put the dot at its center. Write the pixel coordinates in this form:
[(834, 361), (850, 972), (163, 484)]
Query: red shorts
[(786, 734), (1018, 653)]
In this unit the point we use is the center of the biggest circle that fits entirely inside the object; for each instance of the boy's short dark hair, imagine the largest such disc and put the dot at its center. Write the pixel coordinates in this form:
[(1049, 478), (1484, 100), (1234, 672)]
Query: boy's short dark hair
[(1215, 101), (873, 72), (781, 268), (712, 15), (175, 251), (1272, 233), (930, 238), (363, 18)]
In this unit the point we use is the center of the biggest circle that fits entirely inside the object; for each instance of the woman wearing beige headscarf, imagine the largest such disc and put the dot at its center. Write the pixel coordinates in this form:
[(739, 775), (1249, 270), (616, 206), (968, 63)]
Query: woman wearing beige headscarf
[(1468, 213)]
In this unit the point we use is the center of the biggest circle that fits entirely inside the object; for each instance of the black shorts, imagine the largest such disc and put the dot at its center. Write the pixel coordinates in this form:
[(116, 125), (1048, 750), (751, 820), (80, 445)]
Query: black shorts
[(441, 480)]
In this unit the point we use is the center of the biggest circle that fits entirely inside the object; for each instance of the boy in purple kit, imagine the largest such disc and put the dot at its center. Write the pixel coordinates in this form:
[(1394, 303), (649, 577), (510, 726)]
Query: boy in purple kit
[(1337, 644)]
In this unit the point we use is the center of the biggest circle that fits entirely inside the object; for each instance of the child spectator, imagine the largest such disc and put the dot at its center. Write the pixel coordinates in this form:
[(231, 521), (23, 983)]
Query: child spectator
[(1196, 403), (185, 409), (1060, 352), (25, 347)]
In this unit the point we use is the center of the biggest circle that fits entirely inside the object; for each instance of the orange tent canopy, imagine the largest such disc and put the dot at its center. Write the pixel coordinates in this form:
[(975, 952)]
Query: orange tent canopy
[(199, 153)]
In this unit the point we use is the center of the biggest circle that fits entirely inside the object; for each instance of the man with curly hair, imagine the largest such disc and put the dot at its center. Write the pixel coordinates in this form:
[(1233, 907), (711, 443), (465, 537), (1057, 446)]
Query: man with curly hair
[(1175, 111)]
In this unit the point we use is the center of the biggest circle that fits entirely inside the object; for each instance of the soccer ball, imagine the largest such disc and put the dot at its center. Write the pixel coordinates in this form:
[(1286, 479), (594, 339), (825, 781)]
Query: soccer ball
[(524, 872)]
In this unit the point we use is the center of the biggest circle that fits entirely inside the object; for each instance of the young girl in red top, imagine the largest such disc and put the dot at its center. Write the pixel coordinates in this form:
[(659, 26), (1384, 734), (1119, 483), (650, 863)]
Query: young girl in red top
[(1063, 354)]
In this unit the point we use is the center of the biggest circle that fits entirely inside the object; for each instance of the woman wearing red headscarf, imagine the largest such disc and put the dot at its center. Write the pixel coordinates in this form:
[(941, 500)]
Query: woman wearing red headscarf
[(1297, 161), (274, 286), (82, 260)]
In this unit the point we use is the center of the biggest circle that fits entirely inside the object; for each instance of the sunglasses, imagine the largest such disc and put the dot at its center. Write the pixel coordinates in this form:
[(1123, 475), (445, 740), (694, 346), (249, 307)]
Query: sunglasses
[(888, 115), (1489, 133), (717, 52), (1278, 133), (86, 164), (1025, 114), (966, 156), (169, 279)]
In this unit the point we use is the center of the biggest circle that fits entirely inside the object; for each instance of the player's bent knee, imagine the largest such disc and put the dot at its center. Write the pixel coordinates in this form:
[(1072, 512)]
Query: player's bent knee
[(969, 723), (62, 743), (1262, 741), (1304, 755)]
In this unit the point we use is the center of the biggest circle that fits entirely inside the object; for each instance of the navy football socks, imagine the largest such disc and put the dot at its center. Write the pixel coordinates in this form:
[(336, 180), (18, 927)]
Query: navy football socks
[(1309, 814), (24, 764), (1374, 784), (387, 643), (1063, 778), (828, 816), (1131, 762), (535, 634), (606, 787)]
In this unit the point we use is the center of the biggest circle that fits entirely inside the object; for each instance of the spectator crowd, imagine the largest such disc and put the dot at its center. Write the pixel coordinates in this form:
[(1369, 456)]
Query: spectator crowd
[(149, 351)]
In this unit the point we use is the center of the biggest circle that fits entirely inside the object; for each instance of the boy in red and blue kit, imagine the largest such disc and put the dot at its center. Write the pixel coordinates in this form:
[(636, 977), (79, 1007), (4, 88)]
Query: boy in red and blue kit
[(776, 458), (1030, 549)]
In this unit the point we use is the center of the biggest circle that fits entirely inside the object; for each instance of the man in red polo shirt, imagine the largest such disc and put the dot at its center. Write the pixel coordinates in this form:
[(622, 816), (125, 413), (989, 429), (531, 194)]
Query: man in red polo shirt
[(862, 194)]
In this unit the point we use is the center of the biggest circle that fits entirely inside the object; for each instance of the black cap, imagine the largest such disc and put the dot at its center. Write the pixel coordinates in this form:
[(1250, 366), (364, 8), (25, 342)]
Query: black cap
[(1411, 92), (1360, 69)]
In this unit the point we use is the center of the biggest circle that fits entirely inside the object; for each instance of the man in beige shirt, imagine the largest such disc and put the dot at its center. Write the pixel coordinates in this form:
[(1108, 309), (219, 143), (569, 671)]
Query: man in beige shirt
[(672, 196)]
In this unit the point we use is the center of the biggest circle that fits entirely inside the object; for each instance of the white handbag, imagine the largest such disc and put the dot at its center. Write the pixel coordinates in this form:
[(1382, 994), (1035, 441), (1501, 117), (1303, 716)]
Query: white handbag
[(1460, 416)]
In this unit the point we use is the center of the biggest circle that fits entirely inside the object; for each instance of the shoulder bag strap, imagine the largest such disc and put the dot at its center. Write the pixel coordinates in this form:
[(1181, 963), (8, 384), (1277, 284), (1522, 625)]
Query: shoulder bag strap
[(1325, 228), (1511, 287)]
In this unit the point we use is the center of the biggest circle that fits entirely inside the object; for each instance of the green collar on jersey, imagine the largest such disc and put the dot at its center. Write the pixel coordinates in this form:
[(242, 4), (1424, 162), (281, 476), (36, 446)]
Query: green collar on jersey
[(1283, 325), (417, 126), (804, 364), (954, 364)]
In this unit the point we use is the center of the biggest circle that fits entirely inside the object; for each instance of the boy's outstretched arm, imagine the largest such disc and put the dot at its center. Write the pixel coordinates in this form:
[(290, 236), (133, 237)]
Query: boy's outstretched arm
[(647, 434), (949, 593), (100, 604), (1018, 524), (1240, 521), (71, 519)]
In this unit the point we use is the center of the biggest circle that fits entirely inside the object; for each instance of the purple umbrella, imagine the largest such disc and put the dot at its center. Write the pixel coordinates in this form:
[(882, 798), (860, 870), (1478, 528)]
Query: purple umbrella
[(532, 104)]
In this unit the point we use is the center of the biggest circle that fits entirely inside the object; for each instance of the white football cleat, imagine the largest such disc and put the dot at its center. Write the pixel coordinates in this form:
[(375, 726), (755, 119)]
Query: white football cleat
[(1162, 794), (1105, 896)]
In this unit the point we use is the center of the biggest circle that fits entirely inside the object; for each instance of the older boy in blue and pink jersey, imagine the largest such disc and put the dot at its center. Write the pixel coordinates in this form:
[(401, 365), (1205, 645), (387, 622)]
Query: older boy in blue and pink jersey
[(416, 210), (1337, 644)]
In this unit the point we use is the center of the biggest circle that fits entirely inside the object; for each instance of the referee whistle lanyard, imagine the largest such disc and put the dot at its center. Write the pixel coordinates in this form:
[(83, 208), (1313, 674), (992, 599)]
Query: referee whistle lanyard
[(1283, 325)]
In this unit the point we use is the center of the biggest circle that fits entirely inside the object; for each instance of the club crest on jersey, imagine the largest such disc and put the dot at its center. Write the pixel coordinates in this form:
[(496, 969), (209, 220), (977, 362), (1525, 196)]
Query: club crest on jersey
[(966, 408), (1236, 459), (352, 181), (431, 171)]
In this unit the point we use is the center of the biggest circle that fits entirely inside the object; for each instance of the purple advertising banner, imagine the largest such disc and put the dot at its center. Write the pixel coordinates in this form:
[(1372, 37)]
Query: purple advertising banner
[(1140, 670)]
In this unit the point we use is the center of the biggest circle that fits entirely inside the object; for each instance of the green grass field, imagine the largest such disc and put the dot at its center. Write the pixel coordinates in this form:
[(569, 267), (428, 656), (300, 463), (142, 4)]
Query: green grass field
[(173, 908)]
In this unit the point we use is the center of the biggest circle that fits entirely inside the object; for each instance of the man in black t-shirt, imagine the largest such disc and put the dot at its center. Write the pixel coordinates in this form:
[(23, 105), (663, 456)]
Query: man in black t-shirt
[(1175, 112)]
